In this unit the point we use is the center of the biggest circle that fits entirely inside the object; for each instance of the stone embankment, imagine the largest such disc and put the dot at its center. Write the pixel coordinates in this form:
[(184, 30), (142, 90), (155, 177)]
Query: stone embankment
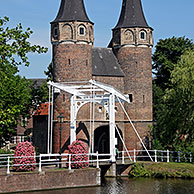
[(50, 179)]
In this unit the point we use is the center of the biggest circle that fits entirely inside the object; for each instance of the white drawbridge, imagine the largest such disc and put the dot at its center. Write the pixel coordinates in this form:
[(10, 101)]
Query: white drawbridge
[(91, 92)]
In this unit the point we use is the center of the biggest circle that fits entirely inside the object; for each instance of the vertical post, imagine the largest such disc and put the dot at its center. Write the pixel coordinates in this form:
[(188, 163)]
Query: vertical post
[(8, 165), (155, 155), (179, 157), (69, 161), (73, 120), (52, 111), (49, 121), (90, 142), (15, 142), (40, 168), (168, 156), (123, 157), (60, 129), (93, 117), (97, 165), (60, 120), (162, 157), (134, 155), (190, 159), (112, 126)]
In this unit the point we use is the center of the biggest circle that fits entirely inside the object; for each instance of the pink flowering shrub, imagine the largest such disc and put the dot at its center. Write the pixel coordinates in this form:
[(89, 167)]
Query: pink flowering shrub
[(80, 160), (25, 157)]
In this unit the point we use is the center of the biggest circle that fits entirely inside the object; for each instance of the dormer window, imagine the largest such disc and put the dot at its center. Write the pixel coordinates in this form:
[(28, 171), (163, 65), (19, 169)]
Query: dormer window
[(82, 31), (55, 32), (142, 35)]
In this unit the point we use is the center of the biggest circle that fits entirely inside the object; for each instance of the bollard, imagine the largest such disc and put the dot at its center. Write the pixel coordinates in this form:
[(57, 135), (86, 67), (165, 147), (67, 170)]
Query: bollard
[(97, 165), (8, 166), (168, 157), (134, 155), (69, 161), (40, 168), (162, 157), (155, 155), (179, 157), (190, 158), (123, 157)]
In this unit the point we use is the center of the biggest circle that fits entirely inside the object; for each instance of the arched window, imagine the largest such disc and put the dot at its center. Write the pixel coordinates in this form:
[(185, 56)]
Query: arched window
[(55, 32), (142, 35), (82, 30)]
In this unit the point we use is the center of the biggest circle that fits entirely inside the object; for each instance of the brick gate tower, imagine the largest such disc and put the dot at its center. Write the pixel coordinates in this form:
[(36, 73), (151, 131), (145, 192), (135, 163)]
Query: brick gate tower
[(126, 65), (132, 44), (72, 41)]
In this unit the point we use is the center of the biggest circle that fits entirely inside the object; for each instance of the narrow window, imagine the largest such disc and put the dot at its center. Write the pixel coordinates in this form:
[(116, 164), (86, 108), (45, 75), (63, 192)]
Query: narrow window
[(69, 61), (130, 97), (81, 31), (142, 35), (86, 62), (64, 98), (143, 98), (55, 32)]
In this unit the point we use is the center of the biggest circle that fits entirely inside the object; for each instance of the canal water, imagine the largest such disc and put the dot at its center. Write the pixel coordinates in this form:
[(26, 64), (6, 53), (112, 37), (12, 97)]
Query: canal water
[(133, 186)]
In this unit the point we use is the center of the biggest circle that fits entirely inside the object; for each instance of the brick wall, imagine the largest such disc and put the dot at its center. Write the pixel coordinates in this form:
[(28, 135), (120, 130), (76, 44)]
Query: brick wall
[(56, 179)]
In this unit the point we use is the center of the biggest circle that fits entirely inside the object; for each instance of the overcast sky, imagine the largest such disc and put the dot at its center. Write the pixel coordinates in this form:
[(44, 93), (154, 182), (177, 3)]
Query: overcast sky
[(167, 17)]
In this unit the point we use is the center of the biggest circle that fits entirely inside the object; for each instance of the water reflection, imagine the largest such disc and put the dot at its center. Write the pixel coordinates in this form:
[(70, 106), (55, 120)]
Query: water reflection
[(133, 186)]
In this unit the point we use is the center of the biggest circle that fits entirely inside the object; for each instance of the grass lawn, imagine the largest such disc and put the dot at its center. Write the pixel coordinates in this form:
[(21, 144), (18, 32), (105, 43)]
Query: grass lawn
[(162, 170)]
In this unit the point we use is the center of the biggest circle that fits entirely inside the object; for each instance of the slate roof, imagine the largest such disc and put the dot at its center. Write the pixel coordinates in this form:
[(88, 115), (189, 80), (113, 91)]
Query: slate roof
[(104, 63), (37, 82), (132, 15), (72, 10)]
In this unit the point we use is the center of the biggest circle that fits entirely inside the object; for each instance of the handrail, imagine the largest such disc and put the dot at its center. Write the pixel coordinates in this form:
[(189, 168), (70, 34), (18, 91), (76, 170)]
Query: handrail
[(96, 158)]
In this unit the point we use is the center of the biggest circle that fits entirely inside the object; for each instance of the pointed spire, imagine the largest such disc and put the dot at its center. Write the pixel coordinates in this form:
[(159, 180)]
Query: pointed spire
[(72, 10), (132, 15)]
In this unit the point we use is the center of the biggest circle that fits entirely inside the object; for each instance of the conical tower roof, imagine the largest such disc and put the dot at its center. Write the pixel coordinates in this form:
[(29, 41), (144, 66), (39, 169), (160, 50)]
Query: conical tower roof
[(132, 15), (72, 10)]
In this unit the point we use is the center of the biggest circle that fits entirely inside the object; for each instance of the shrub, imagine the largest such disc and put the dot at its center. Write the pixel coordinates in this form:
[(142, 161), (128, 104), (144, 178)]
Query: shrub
[(78, 161), (25, 160), (4, 151)]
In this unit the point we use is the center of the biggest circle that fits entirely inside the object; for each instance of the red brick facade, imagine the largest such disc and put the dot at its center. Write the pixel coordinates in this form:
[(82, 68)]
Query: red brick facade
[(72, 59)]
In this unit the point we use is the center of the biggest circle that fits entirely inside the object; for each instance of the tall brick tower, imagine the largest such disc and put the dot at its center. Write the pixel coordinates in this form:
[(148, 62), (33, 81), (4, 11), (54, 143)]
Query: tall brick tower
[(72, 41), (132, 44)]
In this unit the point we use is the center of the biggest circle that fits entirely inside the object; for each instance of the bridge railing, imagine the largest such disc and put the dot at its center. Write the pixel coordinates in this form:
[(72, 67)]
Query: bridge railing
[(53, 160), (157, 156), (94, 159)]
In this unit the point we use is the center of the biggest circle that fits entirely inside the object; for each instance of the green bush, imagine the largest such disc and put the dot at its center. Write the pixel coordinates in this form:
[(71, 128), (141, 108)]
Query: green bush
[(3, 151)]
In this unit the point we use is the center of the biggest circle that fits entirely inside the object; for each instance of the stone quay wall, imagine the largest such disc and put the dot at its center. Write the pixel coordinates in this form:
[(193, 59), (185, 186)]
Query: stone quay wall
[(53, 179)]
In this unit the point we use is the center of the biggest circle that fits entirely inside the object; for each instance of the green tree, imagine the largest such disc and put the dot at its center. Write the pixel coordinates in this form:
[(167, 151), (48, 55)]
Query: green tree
[(166, 56), (175, 119), (15, 98), (49, 72), (40, 94)]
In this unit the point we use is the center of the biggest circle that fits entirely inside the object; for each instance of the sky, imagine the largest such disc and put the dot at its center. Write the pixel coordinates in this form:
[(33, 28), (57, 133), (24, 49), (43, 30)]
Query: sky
[(167, 17)]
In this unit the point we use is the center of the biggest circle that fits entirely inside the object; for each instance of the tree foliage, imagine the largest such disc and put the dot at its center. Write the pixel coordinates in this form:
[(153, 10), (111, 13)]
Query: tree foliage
[(175, 112), (40, 94), (166, 56), (49, 72), (15, 93)]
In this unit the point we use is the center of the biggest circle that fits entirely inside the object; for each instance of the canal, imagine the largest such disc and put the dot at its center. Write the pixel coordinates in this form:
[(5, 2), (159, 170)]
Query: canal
[(133, 186)]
